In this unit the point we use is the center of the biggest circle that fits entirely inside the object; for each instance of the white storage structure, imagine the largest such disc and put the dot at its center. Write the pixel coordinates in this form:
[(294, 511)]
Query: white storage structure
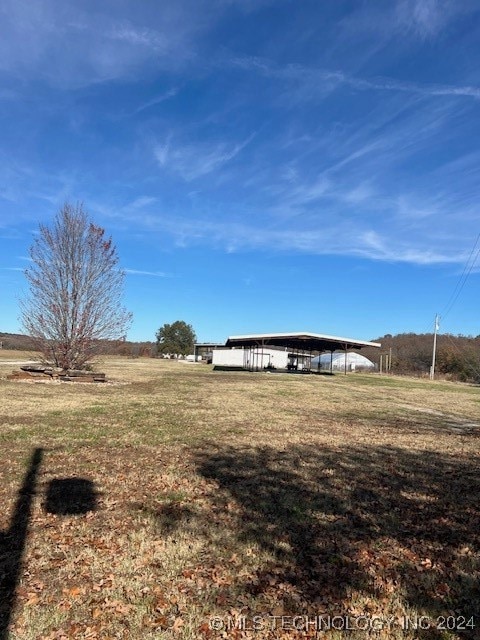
[(250, 358), (294, 352), (336, 362)]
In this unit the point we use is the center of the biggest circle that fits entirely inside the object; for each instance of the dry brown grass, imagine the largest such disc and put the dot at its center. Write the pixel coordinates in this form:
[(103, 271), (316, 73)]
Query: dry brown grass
[(232, 494), (16, 354)]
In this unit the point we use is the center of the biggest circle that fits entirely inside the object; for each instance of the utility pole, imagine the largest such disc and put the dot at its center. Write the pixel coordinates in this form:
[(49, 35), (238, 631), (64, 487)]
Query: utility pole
[(437, 326)]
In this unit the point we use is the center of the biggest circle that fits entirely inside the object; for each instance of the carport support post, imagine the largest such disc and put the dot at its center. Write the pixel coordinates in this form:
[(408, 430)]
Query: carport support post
[(346, 351), (331, 361)]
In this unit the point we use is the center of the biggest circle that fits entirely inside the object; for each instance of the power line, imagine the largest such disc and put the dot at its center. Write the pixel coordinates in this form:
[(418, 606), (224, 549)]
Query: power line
[(467, 270)]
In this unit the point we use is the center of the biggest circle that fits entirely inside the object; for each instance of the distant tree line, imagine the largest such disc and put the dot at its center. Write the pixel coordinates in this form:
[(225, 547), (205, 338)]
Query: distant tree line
[(176, 339), (19, 342), (457, 357)]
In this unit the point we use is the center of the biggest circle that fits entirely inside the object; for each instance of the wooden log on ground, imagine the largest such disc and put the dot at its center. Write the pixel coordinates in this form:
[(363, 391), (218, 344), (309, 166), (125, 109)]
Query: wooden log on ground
[(85, 378)]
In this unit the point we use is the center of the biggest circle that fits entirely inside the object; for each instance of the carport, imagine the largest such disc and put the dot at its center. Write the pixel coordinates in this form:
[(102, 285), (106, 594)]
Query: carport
[(301, 347)]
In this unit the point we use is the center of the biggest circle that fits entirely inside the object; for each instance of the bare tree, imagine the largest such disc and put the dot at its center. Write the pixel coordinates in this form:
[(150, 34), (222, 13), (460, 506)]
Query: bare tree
[(76, 288)]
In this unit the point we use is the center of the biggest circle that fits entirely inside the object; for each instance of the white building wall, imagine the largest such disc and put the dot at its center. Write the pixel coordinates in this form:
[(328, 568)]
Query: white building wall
[(227, 357), (278, 359), (240, 358)]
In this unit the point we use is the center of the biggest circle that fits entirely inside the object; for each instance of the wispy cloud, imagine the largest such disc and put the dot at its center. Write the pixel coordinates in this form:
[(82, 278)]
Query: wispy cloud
[(424, 18), (139, 272), (327, 80), (142, 201), (321, 156), (158, 99), (388, 84), (144, 37), (195, 161), (73, 45), (401, 22), (337, 239)]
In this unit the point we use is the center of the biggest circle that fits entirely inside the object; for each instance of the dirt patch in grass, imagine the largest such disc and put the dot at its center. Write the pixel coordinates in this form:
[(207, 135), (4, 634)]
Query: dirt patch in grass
[(187, 500)]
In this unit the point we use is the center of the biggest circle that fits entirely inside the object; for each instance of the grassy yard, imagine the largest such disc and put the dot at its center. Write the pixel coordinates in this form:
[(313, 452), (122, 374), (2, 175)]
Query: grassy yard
[(177, 502)]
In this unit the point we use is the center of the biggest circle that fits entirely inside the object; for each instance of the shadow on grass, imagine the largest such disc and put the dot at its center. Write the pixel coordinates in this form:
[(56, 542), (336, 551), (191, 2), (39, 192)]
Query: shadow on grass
[(384, 522), (70, 496), (65, 497), (12, 543), (169, 516)]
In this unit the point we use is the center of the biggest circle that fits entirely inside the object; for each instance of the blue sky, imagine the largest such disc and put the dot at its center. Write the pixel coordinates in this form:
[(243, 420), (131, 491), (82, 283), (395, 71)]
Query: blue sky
[(261, 165)]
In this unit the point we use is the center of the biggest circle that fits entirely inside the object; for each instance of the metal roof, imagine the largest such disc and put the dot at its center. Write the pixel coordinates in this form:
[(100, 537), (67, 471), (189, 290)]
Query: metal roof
[(299, 340), (209, 344)]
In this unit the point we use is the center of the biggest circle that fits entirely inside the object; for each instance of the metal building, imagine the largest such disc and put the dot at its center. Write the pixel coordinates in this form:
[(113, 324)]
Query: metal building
[(257, 352)]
